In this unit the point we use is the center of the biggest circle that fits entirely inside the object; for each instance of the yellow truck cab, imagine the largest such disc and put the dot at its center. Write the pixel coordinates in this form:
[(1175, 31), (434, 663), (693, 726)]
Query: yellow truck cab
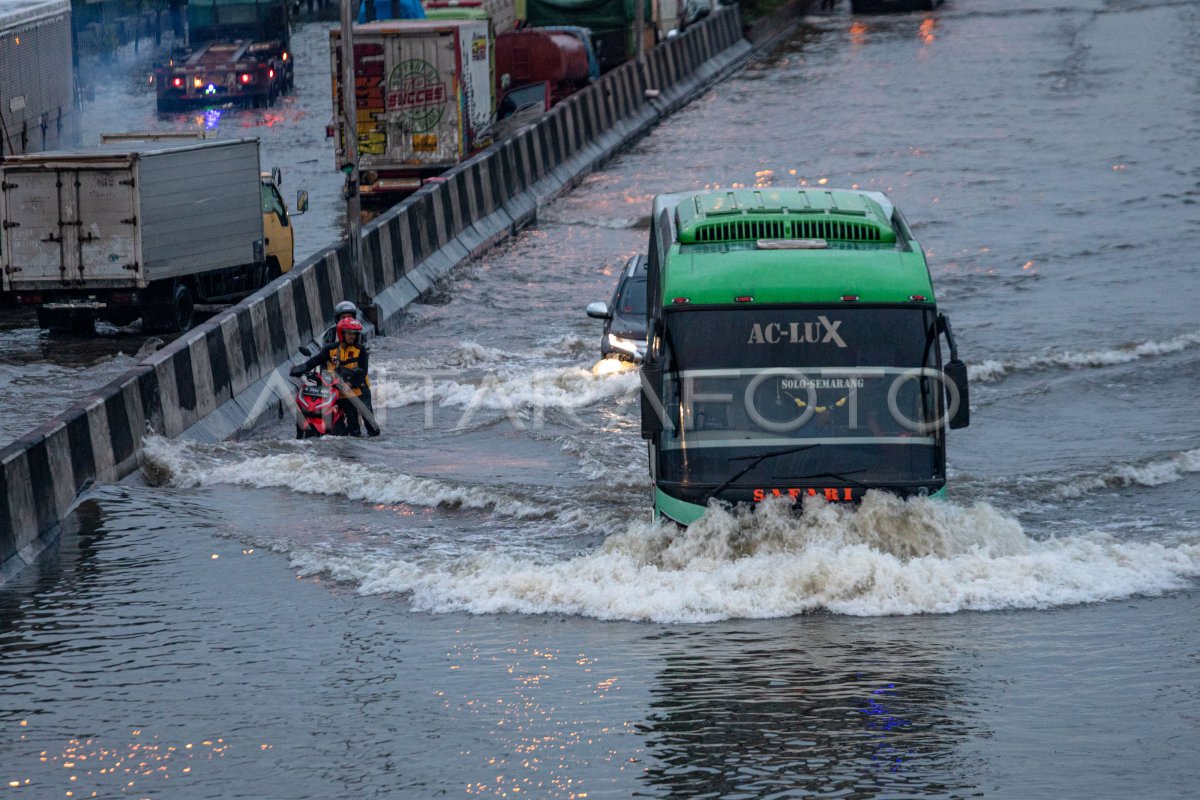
[(278, 239)]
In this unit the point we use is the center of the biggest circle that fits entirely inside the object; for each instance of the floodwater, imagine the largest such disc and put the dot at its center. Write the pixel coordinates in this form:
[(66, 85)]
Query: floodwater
[(476, 603)]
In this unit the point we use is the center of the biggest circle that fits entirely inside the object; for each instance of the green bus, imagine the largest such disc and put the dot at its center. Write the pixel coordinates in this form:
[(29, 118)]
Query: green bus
[(794, 351)]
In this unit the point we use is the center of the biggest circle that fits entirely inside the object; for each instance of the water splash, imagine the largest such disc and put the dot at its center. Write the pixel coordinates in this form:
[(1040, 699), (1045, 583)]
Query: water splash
[(305, 470), (888, 557)]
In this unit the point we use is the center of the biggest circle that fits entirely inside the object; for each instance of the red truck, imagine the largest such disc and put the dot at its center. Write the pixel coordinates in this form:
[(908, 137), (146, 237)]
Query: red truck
[(238, 52)]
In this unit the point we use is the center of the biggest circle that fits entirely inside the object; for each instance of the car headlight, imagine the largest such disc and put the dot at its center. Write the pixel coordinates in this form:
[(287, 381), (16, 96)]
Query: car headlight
[(634, 347)]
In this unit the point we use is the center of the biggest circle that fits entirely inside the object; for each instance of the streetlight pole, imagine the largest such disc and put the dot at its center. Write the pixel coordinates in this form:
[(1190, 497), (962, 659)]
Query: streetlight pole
[(639, 23), (350, 148)]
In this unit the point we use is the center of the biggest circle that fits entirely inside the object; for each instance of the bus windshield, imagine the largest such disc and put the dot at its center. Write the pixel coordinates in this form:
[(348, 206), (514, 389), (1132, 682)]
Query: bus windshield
[(820, 392)]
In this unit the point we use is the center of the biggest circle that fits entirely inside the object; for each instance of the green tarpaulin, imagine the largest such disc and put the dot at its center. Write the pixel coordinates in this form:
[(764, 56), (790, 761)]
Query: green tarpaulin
[(602, 16)]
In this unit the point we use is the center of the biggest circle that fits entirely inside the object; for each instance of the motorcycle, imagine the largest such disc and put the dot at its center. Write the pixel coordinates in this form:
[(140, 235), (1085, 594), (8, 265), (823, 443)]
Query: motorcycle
[(317, 410)]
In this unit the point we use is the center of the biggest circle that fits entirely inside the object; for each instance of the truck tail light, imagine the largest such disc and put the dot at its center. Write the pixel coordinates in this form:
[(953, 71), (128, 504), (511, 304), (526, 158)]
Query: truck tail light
[(177, 82), (271, 72), (30, 299), (122, 299), (245, 77)]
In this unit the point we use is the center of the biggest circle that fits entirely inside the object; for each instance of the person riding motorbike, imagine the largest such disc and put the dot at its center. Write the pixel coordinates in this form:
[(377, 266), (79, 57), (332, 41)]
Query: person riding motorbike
[(348, 362), (343, 310)]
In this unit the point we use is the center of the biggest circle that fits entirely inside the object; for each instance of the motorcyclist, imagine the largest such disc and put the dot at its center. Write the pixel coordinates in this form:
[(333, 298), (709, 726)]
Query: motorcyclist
[(348, 362), (343, 310)]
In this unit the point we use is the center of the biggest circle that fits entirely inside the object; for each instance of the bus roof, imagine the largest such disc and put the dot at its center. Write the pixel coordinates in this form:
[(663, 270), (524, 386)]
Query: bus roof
[(790, 246)]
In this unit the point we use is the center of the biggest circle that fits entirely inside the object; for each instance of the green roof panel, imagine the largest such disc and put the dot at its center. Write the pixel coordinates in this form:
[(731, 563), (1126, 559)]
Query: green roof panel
[(792, 246)]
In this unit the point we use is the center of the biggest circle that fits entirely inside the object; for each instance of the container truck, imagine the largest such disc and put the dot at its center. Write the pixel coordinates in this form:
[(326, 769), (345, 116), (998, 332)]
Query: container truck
[(794, 352), (37, 77), (423, 91), (143, 229), (239, 51), (430, 93)]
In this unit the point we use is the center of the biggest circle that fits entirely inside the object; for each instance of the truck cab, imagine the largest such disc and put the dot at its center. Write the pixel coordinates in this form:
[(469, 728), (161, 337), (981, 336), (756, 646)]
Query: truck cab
[(278, 237)]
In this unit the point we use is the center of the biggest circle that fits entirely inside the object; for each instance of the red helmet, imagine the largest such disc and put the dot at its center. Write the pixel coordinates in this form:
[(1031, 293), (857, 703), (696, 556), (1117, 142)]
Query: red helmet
[(347, 325)]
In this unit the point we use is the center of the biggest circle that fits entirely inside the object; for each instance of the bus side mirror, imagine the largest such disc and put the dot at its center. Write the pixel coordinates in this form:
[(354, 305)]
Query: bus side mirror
[(956, 371), (301, 201), (652, 407)]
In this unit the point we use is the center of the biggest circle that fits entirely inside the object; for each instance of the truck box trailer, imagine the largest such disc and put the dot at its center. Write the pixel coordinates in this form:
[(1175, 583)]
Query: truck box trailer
[(37, 77), (134, 229), (424, 97)]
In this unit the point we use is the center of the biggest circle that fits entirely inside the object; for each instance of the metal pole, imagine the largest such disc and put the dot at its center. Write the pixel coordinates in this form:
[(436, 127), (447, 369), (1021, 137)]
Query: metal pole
[(350, 145), (639, 24)]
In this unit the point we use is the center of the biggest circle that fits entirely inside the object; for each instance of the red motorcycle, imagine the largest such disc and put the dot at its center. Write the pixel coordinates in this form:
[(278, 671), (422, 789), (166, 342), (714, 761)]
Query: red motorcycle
[(317, 411)]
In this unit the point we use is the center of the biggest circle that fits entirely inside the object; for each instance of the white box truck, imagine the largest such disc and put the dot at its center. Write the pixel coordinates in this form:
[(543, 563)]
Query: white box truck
[(37, 77), (424, 97), (137, 229)]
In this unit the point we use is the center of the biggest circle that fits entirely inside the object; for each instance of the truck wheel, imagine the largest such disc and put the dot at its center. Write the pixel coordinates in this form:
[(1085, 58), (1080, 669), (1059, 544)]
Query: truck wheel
[(183, 308), (169, 310)]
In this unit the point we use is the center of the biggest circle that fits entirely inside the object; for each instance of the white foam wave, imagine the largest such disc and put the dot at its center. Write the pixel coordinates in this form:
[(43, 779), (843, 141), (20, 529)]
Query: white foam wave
[(889, 557), (994, 370), (1154, 473), (182, 465), (563, 388)]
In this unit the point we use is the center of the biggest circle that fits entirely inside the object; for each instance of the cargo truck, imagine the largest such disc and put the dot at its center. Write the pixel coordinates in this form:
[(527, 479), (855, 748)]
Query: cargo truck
[(37, 77), (143, 229), (423, 91), (429, 93), (239, 51)]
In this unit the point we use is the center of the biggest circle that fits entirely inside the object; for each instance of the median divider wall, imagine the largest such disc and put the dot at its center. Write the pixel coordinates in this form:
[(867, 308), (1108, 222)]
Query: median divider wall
[(227, 375)]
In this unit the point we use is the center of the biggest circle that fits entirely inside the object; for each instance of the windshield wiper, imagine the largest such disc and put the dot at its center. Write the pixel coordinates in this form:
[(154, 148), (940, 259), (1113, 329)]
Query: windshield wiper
[(837, 476), (754, 462)]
